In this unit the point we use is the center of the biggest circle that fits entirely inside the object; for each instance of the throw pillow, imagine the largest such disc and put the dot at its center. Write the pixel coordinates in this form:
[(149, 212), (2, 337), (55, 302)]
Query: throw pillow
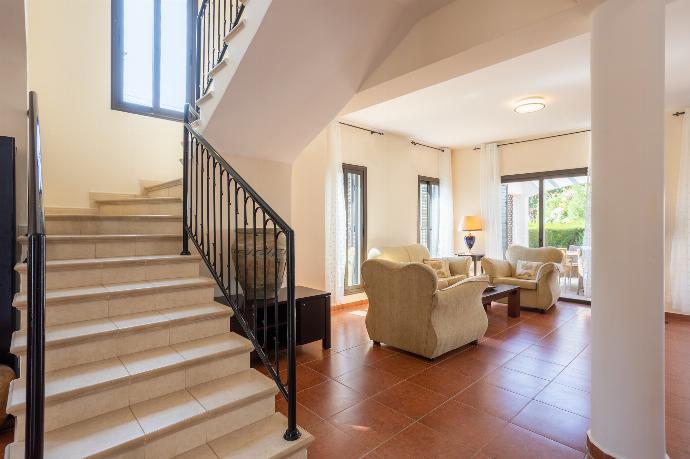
[(527, 269), (441, 267)]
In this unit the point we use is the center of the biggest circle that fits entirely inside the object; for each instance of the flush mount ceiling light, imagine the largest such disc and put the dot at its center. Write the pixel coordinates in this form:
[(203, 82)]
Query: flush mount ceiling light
[(529, 105)]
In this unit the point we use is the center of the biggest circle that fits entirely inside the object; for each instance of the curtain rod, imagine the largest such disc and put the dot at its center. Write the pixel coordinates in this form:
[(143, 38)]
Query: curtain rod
[(539, 138), (428, 146), (363, 129), (679, 113)]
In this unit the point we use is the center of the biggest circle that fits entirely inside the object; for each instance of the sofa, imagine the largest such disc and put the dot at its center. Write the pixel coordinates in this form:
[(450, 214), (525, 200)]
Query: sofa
[(543, 291), (409, 311), (416, 253)]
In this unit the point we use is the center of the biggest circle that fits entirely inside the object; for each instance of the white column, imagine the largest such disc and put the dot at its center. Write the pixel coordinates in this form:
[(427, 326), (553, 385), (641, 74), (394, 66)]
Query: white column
[(627, 229)]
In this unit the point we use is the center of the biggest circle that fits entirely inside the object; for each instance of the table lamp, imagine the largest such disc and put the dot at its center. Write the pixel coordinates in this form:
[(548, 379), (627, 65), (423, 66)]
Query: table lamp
[(470, 223)]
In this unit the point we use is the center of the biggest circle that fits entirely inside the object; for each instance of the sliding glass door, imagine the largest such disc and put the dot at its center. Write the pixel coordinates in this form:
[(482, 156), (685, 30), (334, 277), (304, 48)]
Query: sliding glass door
[(548, 209)]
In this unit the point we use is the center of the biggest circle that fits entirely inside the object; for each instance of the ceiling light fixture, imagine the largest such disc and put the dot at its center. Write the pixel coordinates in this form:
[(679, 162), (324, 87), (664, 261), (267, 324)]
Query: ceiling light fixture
[(529, 105)]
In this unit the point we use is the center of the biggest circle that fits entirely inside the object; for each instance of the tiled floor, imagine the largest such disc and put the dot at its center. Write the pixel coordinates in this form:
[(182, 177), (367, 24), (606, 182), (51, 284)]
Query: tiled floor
[(522, 392)]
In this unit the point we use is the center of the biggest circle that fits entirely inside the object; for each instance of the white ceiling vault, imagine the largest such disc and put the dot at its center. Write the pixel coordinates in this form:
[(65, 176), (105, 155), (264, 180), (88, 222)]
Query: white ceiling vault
[(478, 107)]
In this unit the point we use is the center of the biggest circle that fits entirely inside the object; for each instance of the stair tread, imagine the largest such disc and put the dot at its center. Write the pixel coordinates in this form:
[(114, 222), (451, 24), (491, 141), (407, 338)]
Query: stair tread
[(87, 377), (164, 185), (101, 237), (111, 290), (89, 329), (261, 439), (113, 217), (139, 200), (118, 430), (98, 262)]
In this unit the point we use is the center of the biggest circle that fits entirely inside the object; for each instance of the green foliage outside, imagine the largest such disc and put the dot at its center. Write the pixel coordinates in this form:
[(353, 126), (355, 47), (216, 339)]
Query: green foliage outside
[(564, 217)]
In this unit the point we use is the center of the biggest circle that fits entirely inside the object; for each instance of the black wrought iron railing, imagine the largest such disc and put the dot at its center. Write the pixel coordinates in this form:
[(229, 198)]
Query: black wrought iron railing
[(250, 251), (36, 265), (215, 20)]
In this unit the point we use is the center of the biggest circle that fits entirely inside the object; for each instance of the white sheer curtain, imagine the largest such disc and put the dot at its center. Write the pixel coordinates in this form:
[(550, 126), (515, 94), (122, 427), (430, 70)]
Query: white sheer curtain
[(680, 244), (446, 244), (490, 199), (335, 216), (587, 238)]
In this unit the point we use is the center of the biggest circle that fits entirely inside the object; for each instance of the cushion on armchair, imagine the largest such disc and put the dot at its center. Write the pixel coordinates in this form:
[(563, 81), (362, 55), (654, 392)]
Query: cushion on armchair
[(527, 269), (440, 267)]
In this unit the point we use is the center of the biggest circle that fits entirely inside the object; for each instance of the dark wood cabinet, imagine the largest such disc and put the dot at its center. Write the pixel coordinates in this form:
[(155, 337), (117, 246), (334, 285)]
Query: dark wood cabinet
[(313, 318)]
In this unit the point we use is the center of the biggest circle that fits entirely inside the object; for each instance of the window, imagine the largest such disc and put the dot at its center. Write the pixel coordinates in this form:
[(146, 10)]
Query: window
[(355, 182), (427, 234), (149, 51)]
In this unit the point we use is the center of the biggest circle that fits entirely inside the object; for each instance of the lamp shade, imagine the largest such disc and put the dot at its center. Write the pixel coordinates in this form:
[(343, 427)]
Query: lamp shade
[(471, 223)]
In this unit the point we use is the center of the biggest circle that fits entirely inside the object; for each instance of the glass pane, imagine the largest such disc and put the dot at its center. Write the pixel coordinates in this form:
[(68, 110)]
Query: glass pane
[(354, 217), (521, 215), (565, 202), (173, 53), (138, 52)]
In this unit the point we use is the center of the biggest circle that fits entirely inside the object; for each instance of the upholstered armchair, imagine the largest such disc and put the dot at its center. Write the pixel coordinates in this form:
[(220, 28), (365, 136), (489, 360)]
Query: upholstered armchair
[(543, 291), (408, 311), (416, 253)]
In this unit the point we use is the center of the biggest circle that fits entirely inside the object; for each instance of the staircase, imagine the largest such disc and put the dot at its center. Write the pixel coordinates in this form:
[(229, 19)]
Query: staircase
[(139, 360)]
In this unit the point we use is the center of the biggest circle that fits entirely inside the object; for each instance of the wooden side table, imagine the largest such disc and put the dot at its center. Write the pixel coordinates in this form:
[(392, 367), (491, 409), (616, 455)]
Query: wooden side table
[(499, 291), (474, 256)]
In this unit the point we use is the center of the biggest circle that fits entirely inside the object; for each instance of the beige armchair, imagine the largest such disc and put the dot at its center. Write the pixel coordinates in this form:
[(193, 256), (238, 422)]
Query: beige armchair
[(408, 311), (540, 293), (416, 253)]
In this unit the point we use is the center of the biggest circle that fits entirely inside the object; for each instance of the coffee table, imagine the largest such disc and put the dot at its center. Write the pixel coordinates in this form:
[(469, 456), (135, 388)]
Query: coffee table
[(499, 291)]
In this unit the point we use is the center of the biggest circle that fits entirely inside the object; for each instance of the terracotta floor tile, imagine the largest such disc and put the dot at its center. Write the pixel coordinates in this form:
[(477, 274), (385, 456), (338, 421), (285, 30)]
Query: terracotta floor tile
[(328, 398), (515, 381), (464, 423), (574, 378), (310, 352), (534, 367), (332, 443), (468, 366), (370, 423), (515, 345), (678, 407), (493, 400), (556, 424), (442, 380), (305, 417), (488, 354), (334, 365), (677, 438), (368, 380), (306, 377), (516, 443), (553, 354), (410, 399), (565, 398), (419, 441), (367, 353), (403, 366)]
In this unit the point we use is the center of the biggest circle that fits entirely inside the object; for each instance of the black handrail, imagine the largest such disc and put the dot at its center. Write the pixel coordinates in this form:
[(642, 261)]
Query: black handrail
[(241, 239), (215, 20), (36, 264)]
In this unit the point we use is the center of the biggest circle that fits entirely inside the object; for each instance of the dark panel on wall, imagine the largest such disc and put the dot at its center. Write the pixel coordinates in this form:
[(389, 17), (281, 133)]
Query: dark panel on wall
[(7, 247)]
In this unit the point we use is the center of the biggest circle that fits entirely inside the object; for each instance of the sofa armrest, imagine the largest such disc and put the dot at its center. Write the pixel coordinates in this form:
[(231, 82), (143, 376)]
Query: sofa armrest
[(545, 269), (496, 268), (457, 310)]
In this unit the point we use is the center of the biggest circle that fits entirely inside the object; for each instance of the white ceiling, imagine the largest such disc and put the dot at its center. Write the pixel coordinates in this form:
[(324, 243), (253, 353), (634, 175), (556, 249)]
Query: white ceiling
[(478, 107)]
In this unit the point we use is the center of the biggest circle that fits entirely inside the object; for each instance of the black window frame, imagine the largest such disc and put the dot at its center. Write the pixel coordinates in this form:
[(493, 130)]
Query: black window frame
[(362, 172), (429, 181), (117, 101), (540, 177)]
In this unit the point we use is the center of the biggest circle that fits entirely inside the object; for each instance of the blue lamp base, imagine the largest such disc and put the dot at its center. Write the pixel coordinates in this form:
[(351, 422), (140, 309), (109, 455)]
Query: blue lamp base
[(469, 241)]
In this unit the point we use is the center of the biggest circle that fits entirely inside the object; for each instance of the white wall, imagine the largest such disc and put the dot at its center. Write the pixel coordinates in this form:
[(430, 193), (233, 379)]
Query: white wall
[(393, 166), (88, 146), (13, 93), (566, 152)]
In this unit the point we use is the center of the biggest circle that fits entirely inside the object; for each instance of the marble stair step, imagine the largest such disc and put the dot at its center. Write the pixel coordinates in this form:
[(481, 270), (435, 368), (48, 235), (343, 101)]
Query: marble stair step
[(62, 274), (165, 426), (166, 205), (262, 439), (70, 247), (81, 392), (171, 188), (71, 305), (76, 224), (93, 340)]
